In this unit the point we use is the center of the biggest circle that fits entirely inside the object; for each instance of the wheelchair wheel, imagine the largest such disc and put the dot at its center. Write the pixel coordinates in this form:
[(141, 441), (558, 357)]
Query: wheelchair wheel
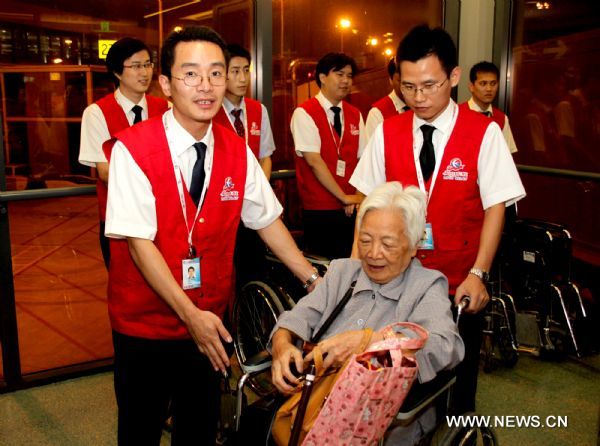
[(464, 435), (255, 313)]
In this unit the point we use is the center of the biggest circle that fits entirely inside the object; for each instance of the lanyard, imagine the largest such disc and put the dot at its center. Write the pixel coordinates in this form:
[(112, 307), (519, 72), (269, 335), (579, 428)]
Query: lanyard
[(438, 163), (179, 181)]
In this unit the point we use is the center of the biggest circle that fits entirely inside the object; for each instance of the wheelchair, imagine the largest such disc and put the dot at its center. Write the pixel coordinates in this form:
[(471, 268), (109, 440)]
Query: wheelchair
[(255, 313), (535, 261)]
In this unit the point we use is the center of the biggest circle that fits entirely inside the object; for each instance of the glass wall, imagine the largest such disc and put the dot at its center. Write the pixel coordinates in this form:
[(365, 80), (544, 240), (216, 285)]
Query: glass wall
[(555, 112), (51, 67), (305, 30)]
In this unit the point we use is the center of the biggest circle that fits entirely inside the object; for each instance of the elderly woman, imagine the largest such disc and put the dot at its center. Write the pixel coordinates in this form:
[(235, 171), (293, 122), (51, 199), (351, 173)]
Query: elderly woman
[(391, 286)]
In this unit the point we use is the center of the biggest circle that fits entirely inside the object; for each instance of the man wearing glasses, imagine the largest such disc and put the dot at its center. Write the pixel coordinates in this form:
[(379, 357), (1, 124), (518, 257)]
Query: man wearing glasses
[(178, 187), (460, 160), (129, 63)]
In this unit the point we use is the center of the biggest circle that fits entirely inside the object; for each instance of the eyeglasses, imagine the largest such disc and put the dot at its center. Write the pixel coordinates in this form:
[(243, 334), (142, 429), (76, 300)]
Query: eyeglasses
[(193, 79), (140, 66), (427, 90)]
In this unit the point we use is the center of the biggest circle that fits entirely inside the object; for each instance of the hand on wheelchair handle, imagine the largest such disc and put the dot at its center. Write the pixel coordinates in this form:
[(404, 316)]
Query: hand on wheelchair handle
[(473, 287)]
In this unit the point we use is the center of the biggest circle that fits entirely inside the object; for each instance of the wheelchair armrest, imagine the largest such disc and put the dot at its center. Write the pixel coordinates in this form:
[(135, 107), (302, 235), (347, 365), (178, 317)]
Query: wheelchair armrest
[(422, 395), (257, 363)]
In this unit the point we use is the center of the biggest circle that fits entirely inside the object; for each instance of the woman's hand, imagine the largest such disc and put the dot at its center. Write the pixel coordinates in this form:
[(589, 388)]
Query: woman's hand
[(284, 353), (337, 349)]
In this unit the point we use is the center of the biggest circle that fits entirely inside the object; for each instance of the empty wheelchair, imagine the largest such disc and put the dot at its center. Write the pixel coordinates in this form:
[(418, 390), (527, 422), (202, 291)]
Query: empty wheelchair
[(536, 264)]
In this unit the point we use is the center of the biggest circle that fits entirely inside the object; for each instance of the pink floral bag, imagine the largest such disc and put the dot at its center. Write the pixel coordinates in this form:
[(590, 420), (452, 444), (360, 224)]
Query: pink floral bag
[(370, 391)]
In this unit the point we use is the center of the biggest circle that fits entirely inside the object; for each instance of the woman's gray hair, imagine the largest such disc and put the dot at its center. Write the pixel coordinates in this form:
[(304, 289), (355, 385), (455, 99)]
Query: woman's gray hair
[(408, 200)]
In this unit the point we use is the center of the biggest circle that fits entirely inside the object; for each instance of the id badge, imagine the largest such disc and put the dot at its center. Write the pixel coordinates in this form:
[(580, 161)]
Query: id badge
[(340, 169), (190, 269), (427, 241)]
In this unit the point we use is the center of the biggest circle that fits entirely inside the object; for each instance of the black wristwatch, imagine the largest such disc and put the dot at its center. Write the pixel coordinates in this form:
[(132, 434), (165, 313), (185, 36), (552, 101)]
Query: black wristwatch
[(484, 276)]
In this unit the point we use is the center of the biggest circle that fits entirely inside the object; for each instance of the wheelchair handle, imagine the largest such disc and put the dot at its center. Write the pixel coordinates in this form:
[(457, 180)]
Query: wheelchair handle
[(464, 302)]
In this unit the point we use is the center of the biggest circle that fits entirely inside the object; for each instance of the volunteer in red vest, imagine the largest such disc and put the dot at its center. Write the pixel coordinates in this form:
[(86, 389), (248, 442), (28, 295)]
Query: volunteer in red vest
[(178, 186), (483, 85), (129, 62), (328, 137), (460, 160), (249, 119), (388, 106), (245, 116)]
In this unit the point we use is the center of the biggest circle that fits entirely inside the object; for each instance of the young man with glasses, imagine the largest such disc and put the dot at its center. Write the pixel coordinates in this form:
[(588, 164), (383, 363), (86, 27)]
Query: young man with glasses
[(129, 62), (328, 137), (178, 187), (460, 160)]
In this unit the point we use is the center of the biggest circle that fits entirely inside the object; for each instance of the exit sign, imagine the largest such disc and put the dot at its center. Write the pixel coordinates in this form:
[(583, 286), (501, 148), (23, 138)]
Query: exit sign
[(103, 47)]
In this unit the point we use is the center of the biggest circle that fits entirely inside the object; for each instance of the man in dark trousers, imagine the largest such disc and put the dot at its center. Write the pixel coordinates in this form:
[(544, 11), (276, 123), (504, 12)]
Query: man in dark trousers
[(460, 160), (178, 187), (129, 62), (328, 137), (249, 119)]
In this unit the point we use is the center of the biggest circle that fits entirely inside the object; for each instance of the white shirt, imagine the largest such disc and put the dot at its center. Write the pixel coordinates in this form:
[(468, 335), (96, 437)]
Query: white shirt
[(267, 144), (305, 131), (506, 131), (94, 130), (497, 176), (131, 210), (375, 117)]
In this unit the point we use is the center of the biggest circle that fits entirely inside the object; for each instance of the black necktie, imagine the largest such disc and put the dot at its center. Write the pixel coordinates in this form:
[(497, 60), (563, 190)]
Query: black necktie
[(486, 113), (427, 155), (137, 110), (198, 173), (337, 122), (237, 122)]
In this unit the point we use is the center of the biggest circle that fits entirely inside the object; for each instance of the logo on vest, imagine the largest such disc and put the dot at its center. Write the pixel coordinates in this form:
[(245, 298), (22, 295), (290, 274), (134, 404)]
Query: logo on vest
[(228, 194), (254, 130), (455, 171), (353, 130)]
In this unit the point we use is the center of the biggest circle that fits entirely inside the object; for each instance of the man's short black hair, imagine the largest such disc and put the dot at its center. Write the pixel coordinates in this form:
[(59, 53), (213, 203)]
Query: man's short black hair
[(391, 67), (188, 34), (236, 50), (483, 67), (422, 41), (333, 62), (120, 51)]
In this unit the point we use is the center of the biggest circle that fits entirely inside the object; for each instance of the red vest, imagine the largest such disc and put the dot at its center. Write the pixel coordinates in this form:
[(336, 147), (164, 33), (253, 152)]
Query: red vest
[(252, 124), (454, 210), (134, 308), (497, 116), (386, 106), (313, 195), (116, 120)]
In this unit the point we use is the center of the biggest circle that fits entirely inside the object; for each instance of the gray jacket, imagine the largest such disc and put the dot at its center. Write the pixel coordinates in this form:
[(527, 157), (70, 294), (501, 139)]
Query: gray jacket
[(418, 295)]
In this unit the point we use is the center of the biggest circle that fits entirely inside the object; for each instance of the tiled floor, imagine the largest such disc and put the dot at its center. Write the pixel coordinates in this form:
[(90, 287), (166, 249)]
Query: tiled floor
[(82, 411), (60, 283)]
